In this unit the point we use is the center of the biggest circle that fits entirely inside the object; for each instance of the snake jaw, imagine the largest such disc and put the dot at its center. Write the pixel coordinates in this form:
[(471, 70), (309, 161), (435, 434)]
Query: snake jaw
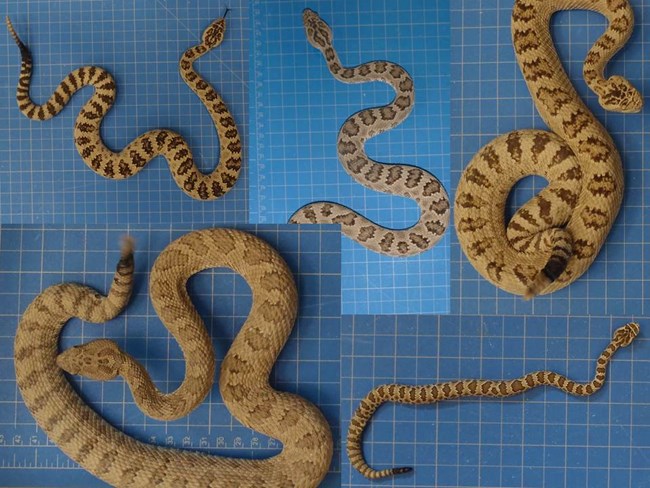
[(97, 360)]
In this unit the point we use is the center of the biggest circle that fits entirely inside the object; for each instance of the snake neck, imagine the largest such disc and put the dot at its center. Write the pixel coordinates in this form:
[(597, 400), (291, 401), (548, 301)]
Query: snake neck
[(556, 99), (561, 382), (621, 21), (368, 123), (189, 74), (385, 71), (158, 404), (186, 326), (230, 142)]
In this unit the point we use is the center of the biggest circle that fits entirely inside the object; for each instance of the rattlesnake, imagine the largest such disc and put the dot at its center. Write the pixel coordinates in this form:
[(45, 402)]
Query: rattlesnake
[(134, 157), (398, 179), (416, 395), (123, 461), (554, 238)]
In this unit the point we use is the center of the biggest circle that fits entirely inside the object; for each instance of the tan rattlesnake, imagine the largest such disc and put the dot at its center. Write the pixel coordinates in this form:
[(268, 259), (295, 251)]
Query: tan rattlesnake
[(398, 179), (553, 239), (134, 157), (419, 395), (123, 461)]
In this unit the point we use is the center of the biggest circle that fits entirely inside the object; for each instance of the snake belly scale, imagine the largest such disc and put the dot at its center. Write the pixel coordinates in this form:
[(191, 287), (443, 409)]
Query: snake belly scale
[(429, 394), (398, 179), (553, 239), (244, 380), (135, 156)]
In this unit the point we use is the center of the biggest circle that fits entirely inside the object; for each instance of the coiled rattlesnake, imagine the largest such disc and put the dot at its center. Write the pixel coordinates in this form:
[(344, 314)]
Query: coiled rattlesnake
[(554, 238), (123, 461), (134, 157), (418, 395), (398, 179)]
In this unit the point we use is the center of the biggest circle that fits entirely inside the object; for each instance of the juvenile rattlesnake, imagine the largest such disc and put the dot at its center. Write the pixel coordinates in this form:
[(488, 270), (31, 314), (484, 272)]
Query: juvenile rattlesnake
[(123, 461), (134, 157), (398, 179), (417, 395), (554, 238)]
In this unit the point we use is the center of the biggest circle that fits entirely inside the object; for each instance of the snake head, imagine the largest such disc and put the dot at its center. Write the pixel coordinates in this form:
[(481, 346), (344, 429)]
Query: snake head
[(317, 31), (618, 95), (98, 360), (214, 33), (626, 334)]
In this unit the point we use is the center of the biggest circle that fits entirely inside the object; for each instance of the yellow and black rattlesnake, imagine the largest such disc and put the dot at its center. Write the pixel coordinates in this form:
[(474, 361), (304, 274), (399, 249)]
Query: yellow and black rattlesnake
[(134, 157), (553, 239), (428, 394)]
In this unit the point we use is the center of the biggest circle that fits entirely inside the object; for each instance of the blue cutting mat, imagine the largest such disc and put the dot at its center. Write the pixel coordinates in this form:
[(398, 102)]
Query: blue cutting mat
[(42, 177), (541, 439), (32, 258), (297, 108), (489, 98)]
